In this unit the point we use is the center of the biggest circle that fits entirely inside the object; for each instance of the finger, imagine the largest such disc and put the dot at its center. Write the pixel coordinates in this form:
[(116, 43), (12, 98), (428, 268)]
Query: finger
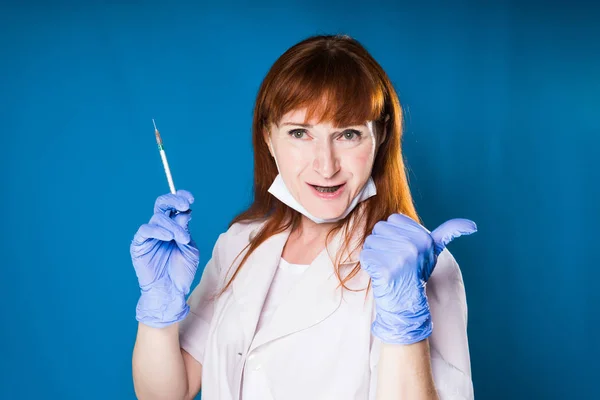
[(179, 234), (373, 262), (186, 194), (187, 269), (151, 231), (449, 230), (183, 219), (406, 222), (390, 244), (385, 228), (140, 247), (171, 202), (396, 231)]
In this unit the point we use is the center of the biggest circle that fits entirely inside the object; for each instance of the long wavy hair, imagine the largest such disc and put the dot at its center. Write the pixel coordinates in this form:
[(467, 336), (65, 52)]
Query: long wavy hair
[(337, 80)]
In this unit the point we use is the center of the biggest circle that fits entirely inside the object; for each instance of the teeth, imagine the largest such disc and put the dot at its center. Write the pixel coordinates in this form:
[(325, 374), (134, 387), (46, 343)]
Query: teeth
[(326, 189)]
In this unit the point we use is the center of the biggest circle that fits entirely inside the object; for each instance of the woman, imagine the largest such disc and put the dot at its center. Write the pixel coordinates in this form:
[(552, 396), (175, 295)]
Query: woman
[(317, 291)]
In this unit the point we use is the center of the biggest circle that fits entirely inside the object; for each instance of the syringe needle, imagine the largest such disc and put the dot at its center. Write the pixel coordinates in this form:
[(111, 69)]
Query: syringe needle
[(163, 155), (158, 138)]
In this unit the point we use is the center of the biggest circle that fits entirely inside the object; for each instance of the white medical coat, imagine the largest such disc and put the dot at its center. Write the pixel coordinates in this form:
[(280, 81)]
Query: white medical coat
[(318, 344)]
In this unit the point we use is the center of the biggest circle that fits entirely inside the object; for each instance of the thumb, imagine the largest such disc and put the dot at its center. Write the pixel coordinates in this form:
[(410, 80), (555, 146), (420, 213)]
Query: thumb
[(183, 218), (449, 230)]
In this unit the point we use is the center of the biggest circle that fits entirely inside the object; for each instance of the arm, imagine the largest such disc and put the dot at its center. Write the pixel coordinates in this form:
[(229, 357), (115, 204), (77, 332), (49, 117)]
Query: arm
[(165, 259), (161, 370), (168, 352), (405, 372), (167, 362), (400, 256), (449, 345), (444, 361)]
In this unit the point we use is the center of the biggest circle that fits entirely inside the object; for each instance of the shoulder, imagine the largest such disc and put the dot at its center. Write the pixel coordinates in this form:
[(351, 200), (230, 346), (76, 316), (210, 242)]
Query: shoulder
[(446, 281), (447, 265), (238, 235), (243, 230)]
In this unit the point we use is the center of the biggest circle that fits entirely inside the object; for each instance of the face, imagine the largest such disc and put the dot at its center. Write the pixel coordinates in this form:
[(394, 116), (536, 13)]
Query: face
[(323, 166)]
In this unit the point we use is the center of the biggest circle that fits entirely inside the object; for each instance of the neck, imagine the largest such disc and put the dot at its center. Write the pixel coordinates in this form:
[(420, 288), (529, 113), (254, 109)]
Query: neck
[(309, 231)]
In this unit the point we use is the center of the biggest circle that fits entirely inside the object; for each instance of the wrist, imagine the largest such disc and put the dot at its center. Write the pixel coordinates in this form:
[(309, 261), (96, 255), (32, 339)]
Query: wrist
[(404, 327), (160, 306)]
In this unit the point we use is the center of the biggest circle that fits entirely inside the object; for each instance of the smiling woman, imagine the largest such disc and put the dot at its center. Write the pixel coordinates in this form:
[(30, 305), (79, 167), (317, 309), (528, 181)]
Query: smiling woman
[(328, 286)]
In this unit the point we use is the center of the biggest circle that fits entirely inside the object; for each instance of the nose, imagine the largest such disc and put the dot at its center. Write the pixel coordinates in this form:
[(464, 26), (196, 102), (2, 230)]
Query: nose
[(326, 162)]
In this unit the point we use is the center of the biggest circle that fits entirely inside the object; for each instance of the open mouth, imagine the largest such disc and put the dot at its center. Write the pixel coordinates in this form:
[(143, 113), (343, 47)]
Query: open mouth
[(327, 189)]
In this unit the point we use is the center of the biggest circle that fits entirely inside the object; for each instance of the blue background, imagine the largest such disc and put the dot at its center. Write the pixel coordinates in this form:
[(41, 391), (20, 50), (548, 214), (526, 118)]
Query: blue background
[(501, 106)]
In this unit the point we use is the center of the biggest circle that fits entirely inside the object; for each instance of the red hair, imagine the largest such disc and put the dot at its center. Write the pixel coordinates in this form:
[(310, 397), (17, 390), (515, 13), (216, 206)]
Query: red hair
[(336, 80)]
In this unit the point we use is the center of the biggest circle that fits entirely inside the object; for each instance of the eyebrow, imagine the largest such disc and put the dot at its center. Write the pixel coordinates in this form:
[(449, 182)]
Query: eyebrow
[(310, 126), (298, 124)]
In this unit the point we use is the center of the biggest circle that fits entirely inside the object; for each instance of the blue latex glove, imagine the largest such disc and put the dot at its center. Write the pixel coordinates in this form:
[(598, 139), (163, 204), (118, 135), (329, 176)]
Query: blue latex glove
[(400, 256), (165, 259)]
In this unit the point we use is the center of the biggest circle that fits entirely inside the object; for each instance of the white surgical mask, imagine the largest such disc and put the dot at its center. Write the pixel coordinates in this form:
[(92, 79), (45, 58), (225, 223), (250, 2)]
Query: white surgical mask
[(281, 192)]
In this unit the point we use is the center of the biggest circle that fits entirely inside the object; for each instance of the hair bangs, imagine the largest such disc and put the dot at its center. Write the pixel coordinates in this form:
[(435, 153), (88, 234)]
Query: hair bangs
[(331, 86)]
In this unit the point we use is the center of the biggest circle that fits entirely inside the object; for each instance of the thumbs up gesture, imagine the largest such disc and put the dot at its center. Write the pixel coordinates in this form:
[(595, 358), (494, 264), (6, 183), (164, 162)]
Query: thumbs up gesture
[(400, 256)]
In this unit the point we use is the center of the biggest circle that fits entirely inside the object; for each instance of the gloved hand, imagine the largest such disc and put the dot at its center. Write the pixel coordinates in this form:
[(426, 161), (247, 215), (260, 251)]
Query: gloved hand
[(400, 256), (165, 259)]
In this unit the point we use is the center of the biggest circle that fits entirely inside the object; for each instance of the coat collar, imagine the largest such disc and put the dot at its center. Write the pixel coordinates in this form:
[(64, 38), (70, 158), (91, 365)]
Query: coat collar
[(315, 297), (252, 283)]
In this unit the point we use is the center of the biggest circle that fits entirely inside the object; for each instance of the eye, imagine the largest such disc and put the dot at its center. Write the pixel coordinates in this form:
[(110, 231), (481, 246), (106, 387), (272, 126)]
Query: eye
[(351, 134), (297, 133)]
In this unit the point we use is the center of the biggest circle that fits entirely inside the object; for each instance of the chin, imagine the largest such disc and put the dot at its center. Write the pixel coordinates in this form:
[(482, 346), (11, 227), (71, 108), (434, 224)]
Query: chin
[(327, 214)]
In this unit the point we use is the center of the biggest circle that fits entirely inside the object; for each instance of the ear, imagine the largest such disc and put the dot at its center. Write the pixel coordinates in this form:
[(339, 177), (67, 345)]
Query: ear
[(266, 134), (384, 131)]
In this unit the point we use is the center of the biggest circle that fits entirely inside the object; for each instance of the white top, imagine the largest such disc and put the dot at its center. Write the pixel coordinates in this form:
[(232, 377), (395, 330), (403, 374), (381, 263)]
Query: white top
[(254, 386), (286, 277)]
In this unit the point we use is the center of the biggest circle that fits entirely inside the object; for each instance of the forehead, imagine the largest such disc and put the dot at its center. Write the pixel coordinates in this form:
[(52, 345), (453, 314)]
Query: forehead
[(299, 116)]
